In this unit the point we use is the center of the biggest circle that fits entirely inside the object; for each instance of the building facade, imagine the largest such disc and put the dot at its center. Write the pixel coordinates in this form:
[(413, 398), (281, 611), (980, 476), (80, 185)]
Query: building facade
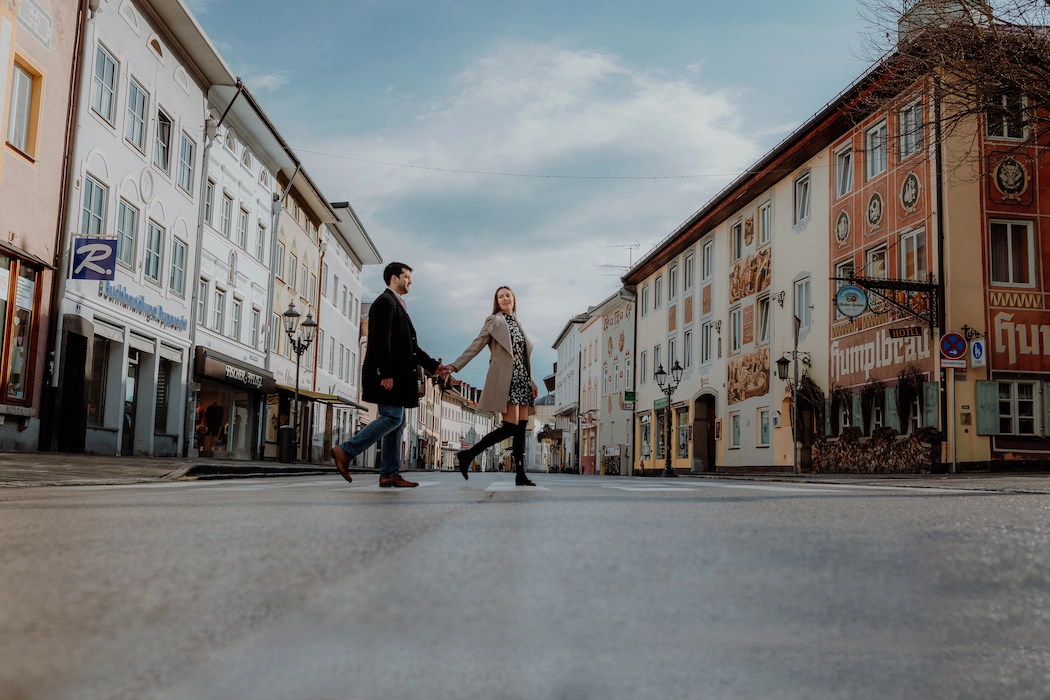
[(590, 340), (38, 48), (615, 409), (565, 455)]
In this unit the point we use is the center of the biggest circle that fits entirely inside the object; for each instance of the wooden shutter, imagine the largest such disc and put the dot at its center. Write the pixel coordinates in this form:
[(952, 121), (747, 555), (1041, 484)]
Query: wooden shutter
[(987, 408), (930, 404), (891, 418)]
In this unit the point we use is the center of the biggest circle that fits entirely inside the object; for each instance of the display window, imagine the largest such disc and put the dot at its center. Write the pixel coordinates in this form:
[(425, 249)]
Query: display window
[(19, 290), (224, 418)]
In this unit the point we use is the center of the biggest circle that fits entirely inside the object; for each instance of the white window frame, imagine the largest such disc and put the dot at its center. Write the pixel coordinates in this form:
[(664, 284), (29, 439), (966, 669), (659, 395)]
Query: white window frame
[(202, 302), (209, 201), (736, 330), (225, 215), (187, 163), (765, 224), (672, 352), (162, 141), (242, 229), (1013, 404), (279, 263), (910, 129), (293, 271), (96, 198), (260, 241), (762, 327), (1003, 133), (657, 359), (803, 192), (672, 282), (844, 170), (876, 153), (235, 325), (909, 243), (658, 284), (687, 349), (689, 272), (219, 311), (643, 365), (708, 260), (127, 233), (734, 430), (644, 299), (763, 422), (154, 256), (104, 99), (803, 303), (736, 241), (138, 114), (870, 257), (256, 320), (177, 281), (707, 342), (1010, 223), (304, 280), (20, 114)]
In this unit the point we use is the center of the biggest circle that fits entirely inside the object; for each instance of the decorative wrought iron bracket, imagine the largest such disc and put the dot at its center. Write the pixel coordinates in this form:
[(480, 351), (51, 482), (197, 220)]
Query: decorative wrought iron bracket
[(901, 294), (973, 333)]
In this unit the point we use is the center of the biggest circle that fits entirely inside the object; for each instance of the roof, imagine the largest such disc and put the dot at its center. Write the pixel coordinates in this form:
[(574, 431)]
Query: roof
[(253, 123), (803, 143), (578, 318), (189, 38), (353, 233)]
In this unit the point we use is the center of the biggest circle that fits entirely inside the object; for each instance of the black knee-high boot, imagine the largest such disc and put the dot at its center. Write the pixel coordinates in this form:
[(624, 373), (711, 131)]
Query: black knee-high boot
[(465, 457), (518, 450)]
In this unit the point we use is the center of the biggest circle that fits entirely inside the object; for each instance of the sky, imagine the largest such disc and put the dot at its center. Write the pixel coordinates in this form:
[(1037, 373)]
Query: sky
[(608, 123)]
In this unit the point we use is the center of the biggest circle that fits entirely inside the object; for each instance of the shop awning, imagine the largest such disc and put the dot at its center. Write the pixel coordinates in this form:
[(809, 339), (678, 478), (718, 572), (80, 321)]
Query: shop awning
[(311, 395)]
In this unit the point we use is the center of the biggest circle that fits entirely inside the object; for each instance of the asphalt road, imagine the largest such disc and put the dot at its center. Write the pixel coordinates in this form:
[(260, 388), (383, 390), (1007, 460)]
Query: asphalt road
[(583, 588)]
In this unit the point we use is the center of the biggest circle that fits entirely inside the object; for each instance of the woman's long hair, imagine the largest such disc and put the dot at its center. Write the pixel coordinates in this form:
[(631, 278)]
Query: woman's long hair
[(495, 300)]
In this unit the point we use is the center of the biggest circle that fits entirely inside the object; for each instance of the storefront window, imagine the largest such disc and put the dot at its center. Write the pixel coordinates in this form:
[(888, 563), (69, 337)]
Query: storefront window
[(21, 336), (96, 384), (163, 382), (683, 433), (5, 286)]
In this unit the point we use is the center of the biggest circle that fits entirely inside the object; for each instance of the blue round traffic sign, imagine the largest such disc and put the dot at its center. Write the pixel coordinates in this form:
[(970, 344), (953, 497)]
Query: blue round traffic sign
[(953, 346)]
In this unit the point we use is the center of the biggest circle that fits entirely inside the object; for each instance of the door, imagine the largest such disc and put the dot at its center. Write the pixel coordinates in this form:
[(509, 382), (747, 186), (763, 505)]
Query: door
[(704, 434), (71, 411), (127, 443)]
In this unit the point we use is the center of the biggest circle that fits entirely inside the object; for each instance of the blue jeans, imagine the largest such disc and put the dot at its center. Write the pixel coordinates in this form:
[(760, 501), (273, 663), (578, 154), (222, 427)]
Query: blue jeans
[(387, 427)]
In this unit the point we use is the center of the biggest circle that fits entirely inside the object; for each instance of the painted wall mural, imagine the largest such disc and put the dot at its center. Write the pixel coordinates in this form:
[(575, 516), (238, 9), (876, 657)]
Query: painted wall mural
[(748, 376), (749, 276)]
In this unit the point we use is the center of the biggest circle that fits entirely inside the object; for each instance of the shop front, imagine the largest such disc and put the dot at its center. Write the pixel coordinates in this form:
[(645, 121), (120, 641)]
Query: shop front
[(229, 406)]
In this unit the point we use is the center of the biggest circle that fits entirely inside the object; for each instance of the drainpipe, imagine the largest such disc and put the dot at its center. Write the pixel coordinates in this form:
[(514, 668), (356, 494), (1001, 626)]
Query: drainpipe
[(86, 12), (941, 301), (211, 131)]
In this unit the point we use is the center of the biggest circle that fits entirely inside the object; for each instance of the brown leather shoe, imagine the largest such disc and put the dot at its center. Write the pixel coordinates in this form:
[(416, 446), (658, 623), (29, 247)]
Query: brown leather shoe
[(342, 462), (397, 482)]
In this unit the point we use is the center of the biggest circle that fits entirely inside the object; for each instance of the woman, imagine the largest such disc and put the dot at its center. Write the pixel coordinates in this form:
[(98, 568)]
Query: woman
[(509, 388)]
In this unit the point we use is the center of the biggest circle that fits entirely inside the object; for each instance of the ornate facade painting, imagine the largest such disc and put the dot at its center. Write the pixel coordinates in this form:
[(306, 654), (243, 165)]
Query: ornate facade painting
[(1010, 178), (910, 190), (749, 276), (748, 376), (749, 231)]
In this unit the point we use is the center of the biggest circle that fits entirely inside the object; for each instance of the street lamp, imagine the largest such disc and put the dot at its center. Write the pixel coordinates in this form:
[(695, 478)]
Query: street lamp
[(299, 342), (782, 371), (668, 390)]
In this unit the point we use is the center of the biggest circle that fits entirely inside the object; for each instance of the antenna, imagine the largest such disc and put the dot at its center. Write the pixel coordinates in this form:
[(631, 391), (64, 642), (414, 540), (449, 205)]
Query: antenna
[(630, 255)]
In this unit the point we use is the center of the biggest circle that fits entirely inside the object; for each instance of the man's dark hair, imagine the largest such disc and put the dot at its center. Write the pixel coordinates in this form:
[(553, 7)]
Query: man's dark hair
[(394, 269)]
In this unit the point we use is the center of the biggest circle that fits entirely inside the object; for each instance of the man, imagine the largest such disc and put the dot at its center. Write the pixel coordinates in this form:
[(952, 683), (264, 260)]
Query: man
[(388, 378)]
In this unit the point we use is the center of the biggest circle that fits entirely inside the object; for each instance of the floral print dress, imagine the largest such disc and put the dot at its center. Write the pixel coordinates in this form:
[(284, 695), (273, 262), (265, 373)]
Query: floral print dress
[(520, 381)]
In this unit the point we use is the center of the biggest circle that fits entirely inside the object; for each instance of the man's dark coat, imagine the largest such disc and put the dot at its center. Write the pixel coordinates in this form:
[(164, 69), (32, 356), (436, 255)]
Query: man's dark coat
[(392, 352)]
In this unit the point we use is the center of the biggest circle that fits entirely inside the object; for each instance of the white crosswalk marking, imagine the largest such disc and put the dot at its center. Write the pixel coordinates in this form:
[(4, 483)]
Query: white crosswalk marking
[(645, 488)]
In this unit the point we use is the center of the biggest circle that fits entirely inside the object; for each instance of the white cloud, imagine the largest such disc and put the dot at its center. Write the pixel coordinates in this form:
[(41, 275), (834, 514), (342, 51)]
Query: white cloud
[(199, 7), (266, 82), (533, 108)]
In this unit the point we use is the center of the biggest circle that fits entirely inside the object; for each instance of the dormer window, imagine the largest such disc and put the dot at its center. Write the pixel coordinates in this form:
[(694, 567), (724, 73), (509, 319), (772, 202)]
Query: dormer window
[(246, 159), (231, 142)]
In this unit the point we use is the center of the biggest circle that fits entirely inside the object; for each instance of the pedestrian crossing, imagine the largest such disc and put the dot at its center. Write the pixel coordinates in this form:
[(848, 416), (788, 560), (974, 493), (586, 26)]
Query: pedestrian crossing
[(493, 483)]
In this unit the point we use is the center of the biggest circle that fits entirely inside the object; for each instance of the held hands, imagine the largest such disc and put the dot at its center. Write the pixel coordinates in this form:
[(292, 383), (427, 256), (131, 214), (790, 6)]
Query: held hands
[(444, 370)]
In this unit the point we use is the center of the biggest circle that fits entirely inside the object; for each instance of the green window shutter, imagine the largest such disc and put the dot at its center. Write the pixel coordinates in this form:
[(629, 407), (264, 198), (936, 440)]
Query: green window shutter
[(857, 414), (891, 419), (827, 417), (1046, 409), (930, 404), (987, 408)]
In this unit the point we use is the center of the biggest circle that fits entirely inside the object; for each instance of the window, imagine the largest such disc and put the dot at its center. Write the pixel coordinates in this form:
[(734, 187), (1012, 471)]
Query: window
[(324, 279), (342, 303), (353, 367), (844, 270), (910, 127), (765, 224), (342, 351), (275, 332), (154, 251), (707, 342), (736, 330), (801, 199), (94, 215), (736, 242), (672, 352), (763, 427), (202, 302), (279, 263), (235, 328), (350, 307), (96, 383), (225, 215), (1013, 253), (242, 230), (687, 347), (21, 112), (643, 366), (682, 433), (734, 431), (304, 281), (260, 242), (844, 171), (231, 142), (105, 84), (187, 150), (689, 275), (293, 270), (209, 201), (331, 355), (875, 263), (160, 413), (658, 287), (803, 302), (628, 376), (1017, 408), (913, 255), (178, 267), (246, 159), (762, 320), (127, 230), (875, 150), (1006, 117), (312, 288), (645, 300), (219, 317), (162, 142), (657, 363), (672, 282), (708, 262), (255, 328)]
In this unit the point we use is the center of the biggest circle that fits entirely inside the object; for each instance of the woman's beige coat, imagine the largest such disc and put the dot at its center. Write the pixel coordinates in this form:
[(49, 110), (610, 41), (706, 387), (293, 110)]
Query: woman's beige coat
[(496, 335)]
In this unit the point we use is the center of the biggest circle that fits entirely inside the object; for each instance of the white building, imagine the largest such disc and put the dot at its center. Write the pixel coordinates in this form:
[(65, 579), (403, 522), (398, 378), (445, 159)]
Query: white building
[(135, 172), (234, 274), (345, 249), (567, 395), (590, 339), (615, 411)]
